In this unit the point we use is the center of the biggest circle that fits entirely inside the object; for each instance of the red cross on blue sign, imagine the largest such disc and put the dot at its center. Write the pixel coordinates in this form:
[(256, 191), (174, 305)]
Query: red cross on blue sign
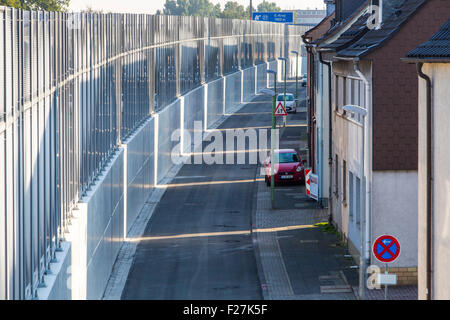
[(386, 248)]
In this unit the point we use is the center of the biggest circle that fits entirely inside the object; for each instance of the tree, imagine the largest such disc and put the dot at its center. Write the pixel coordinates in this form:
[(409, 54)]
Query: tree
[(247, 11), (47, 5), (266, 6), (176, 8), (217, 11), (233, 10), (89, 9), (198, 8)]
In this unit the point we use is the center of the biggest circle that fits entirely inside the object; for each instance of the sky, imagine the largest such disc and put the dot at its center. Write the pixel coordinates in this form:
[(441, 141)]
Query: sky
[(150, 6)]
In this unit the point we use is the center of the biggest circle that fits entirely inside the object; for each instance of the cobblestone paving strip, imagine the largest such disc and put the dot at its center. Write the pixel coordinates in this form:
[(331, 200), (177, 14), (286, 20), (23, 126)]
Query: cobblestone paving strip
[(278, 286)]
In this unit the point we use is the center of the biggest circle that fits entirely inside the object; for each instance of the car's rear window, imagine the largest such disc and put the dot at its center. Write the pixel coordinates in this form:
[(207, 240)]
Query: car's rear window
[(288, 98), (286, 158)]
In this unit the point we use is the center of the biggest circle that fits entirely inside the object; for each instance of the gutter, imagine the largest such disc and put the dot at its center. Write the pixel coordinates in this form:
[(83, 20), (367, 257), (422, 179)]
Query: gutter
[(330, 137), (368, 166), (429, 236)]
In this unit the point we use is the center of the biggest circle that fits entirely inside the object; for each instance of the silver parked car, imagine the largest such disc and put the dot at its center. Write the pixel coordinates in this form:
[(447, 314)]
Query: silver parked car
[(290, 102)]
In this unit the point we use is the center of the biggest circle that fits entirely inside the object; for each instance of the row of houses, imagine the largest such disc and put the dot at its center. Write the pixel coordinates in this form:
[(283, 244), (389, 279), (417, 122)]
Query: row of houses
[(369, 138)]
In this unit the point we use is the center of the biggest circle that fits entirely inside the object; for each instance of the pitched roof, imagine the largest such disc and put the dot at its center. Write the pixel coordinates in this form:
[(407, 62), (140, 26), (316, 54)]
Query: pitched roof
[(335, 29), (391, 25), (351, 35), (316, 32), (437, 48)]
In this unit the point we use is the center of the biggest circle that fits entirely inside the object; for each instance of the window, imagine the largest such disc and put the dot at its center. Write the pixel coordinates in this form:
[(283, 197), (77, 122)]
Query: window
[(344, 181), (340, 92), (286, 158), (336, 93), (336, 186), (358, 201), (351, 93), (362, 94), (344, 93)]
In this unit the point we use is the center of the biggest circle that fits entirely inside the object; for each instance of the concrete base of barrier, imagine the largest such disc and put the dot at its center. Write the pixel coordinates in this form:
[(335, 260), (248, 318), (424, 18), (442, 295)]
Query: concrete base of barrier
[(96, 233), (58, 279), (105, 215), (138, 171)]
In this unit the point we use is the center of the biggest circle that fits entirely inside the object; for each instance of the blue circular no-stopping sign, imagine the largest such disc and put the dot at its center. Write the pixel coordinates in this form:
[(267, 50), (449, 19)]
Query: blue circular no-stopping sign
[(386, 248)]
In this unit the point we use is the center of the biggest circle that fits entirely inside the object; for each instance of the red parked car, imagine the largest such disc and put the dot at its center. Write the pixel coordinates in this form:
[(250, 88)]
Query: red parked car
[(288, 167)]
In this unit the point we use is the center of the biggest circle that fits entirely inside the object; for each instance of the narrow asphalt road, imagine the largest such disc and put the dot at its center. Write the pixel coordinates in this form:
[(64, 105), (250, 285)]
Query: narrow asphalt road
[(198, 244)]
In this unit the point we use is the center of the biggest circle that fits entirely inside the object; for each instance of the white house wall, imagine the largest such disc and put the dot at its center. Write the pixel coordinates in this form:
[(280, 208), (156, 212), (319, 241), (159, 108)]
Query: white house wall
[(440, 77)]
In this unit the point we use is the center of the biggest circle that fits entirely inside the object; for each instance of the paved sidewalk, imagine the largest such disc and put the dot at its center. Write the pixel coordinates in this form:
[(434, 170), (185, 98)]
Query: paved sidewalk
[(394, 293), (297, 260)]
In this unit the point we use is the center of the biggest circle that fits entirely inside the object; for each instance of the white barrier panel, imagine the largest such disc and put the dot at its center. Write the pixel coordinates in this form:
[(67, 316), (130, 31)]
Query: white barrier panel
[(168, 121), (232, 91), (215, 101), (193, 111), (58, 280), (249, 83), (139, 170), (262, 76)]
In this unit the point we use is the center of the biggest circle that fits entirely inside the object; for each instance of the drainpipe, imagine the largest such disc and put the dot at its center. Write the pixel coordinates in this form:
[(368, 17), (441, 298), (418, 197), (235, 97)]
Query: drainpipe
[(310, 107), (330, 138), (368, 174), (429, 255)]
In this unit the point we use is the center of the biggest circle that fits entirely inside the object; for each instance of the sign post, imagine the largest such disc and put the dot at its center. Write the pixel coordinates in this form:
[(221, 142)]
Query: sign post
[(386, 249)]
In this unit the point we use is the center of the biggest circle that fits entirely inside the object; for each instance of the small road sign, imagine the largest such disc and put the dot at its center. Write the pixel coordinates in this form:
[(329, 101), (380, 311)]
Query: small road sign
[(280, 111), (308, 181), (386, 248), (311, 183)]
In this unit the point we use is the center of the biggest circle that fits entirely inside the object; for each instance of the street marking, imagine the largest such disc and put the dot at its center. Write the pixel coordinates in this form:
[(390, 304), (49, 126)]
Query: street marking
[(217, 234), (336, 289), (190, 177), (205, 183)]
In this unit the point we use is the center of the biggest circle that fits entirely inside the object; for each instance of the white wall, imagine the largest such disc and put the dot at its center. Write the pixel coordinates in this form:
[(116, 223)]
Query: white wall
[(440, 75), (233, 91), (215, 101), (394, 212), (139, 174), (322, 134), (262, 77), (167, 121), (249, 84), (97, 232), (347, 144)]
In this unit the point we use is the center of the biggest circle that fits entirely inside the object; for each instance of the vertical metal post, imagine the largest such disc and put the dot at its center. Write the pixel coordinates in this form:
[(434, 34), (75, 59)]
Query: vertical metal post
[(362, 258), (285, 90), (386, 286), (272, 140), (296, 80)]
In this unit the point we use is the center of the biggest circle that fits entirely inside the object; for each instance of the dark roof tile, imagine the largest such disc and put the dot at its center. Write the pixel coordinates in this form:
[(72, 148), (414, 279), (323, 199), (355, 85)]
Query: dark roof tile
[(438, 47), (355, 32), (376, 38)]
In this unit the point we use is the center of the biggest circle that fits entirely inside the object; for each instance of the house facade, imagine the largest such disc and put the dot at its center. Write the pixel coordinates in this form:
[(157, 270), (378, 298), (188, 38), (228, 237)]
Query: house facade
[(373, 176), (432, 60)]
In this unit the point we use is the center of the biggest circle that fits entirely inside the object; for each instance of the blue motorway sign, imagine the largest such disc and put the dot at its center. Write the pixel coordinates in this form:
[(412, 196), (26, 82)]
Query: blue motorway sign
[(283, 17)]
